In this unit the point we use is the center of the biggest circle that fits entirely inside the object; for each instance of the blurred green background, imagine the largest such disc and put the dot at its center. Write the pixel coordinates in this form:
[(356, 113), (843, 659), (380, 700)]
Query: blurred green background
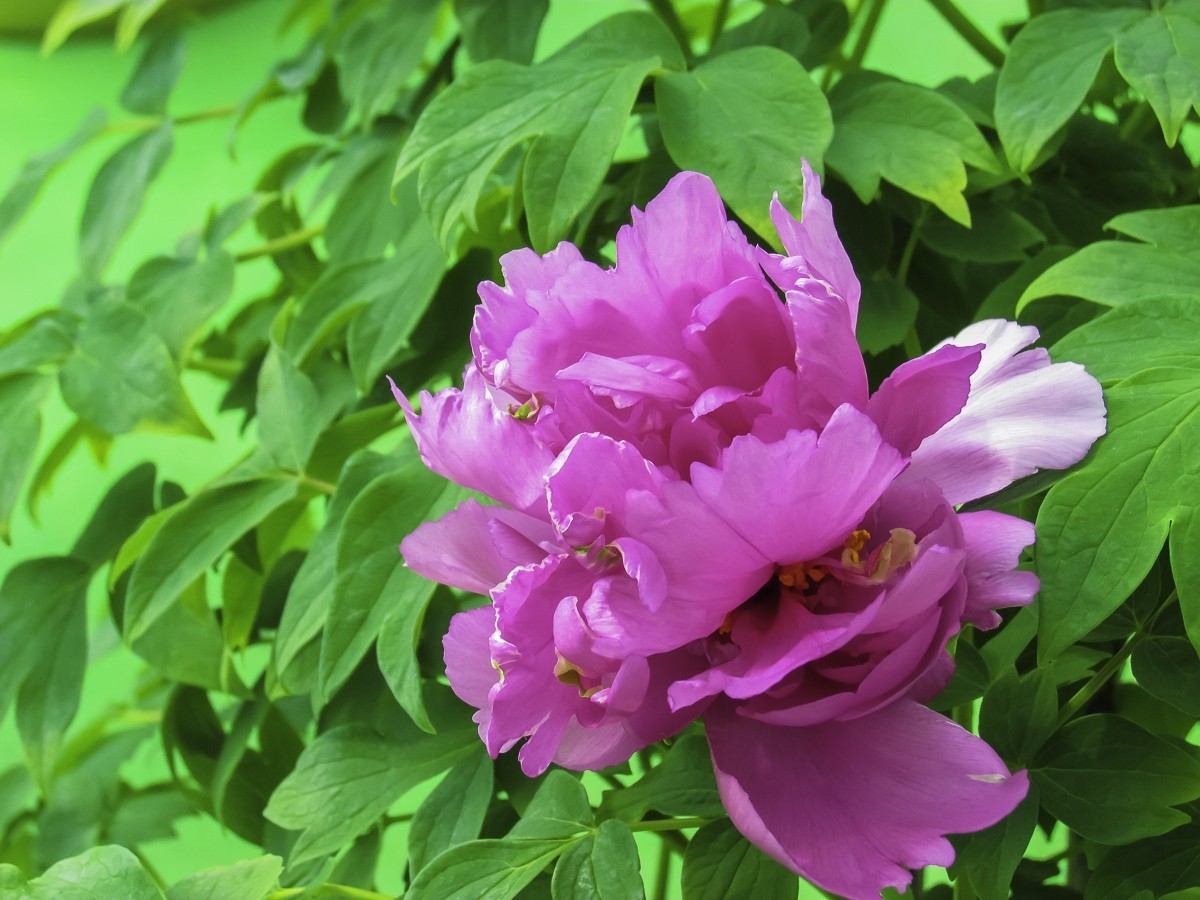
[(230, 48)]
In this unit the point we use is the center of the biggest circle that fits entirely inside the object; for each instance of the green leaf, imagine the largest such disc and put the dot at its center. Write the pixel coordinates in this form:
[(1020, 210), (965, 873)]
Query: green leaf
[(378, 53), (102, 872), (746, 118), (570, 110), (288, 413), (1143, 335), (73, 15), (21, 399), (1116, 273), (452, 813), (116, 196), (192, 539), (681, 785), (989, 858), (251, 879), (1113, 782), (373, 584), (340, 294), (889, 311), (1168, 667), (1019, 713), (560, 808), (603, 866), (998, 234), (399, 301), (179, 296), (496, 869), (127, 504), (774, 26), (349, 776), (1046, 75), (1174, 228), (720, 863), (1159, 865), (37, 170), (134, 15), (37, 343), (1100, 529), (910, 136), (500, 29), (1160, 57), (184, 643), (122, 375), (153, 79), (364, 220)]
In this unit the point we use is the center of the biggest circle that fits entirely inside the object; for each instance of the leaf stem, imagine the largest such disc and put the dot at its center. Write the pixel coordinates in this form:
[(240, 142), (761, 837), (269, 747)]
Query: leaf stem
[(670, 824), (968, 31), (720, 17), (222, 368), (874, 11), (149, 123), (443, 68), (342, 890), (665, 10), (1114, 665), (281, 243), (662, 878), (323, 486)]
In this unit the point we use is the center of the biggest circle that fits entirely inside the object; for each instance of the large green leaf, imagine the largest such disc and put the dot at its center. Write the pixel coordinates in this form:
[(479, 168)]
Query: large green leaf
[(1101, 528), (1169, 668), (1160, 57), (681, 785), (21, 399), (1173, 228), (720, 863), (497, 869), (1158, 864), (379, 52), (453, 812), (1114, 782), (153, 79), (72, 15), (908, 135), (1049, 68), (349, 776), (98, 874), (500, 29), (122, 375), (571, 110), (988, 858), (559, 809), (288, 412), (251, 879), (192, 539), (116, 196), (746, 118), (1114, 273), (179, 296), (603, 866)]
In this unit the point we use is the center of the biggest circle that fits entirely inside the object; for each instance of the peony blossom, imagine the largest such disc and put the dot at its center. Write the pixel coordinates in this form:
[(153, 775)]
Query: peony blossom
[(703, 511)]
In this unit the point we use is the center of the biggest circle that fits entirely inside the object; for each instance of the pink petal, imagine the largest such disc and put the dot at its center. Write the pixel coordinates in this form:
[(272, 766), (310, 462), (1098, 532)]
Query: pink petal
[(463, 437), (828, 359), (853, 805), (922, 395), (1023, 414), (994, 544), (798, 498), (468, 656)]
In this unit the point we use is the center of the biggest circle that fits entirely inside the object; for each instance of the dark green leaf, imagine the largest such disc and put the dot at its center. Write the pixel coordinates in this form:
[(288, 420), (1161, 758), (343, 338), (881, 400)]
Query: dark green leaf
[(154, 78), (774, 26), (1018, 714), (192, 539), (496, 869), (1168, 667), (560, 808), (500, 29), (119, 515), (122, 375), (184, 643), (1160, 58), (33, 175), (889, 311), (1159, 865), (378, 53), (21, 399), (1045, 77), (365, 221), (116, 196), (681, 785), (179, 296), (288, 414), (1113, 782), (989, 858), (251, 879), (997, 234), (571, 110), (720, 863), (603, 866), (452, 813)]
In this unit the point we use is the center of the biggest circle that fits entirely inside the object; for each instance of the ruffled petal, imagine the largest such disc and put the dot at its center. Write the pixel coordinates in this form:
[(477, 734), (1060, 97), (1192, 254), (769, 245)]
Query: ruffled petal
[(467, 650), (852, 806), (994, 543), (829, 363), (1023, 414), (922, 395)]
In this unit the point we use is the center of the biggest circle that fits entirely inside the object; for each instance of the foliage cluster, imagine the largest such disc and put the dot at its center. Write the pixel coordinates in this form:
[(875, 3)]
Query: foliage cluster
[(293, 665)]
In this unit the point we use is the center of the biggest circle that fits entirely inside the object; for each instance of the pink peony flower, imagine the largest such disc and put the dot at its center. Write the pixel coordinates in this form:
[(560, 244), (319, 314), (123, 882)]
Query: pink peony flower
[(704, 512)]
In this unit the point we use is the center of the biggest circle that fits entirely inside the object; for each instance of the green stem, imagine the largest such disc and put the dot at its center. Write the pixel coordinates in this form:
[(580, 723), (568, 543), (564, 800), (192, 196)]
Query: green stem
[(670, 824), (910, 246), (150, 123), (340, 890), (1113, 666), (662, 878), (284, 242), (442, 69), (222, 368), (963, 889), (665, 10), (870, 23), (967, 30), (720, 17), (325, 488)]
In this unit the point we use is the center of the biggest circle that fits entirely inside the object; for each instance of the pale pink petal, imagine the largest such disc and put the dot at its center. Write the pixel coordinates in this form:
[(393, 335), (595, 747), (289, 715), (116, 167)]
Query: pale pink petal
[(852, 806), (798, 498), (994, 543), (922, 395)]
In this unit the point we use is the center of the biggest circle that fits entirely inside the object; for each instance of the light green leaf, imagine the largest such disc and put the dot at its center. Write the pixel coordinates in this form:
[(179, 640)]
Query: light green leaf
[(1046, 75), (251, 879), (1113, 782), (73, 15), (98, 874), (720, 863), (500, 29), (122, 375), (496, 869), (194, 537), (910, 136), (349, 776), (603, 866), (373, 584), (379, 52), (1160, 57), (21, 399), (571, 110), (1143, 335), (453, 812), (1173, 228), (134, 15), (288, 412), (180, 295), (153, 79), (746, 118), (116, 196), (560, 808), (39, 342), (33, 175), (1113, 273)]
